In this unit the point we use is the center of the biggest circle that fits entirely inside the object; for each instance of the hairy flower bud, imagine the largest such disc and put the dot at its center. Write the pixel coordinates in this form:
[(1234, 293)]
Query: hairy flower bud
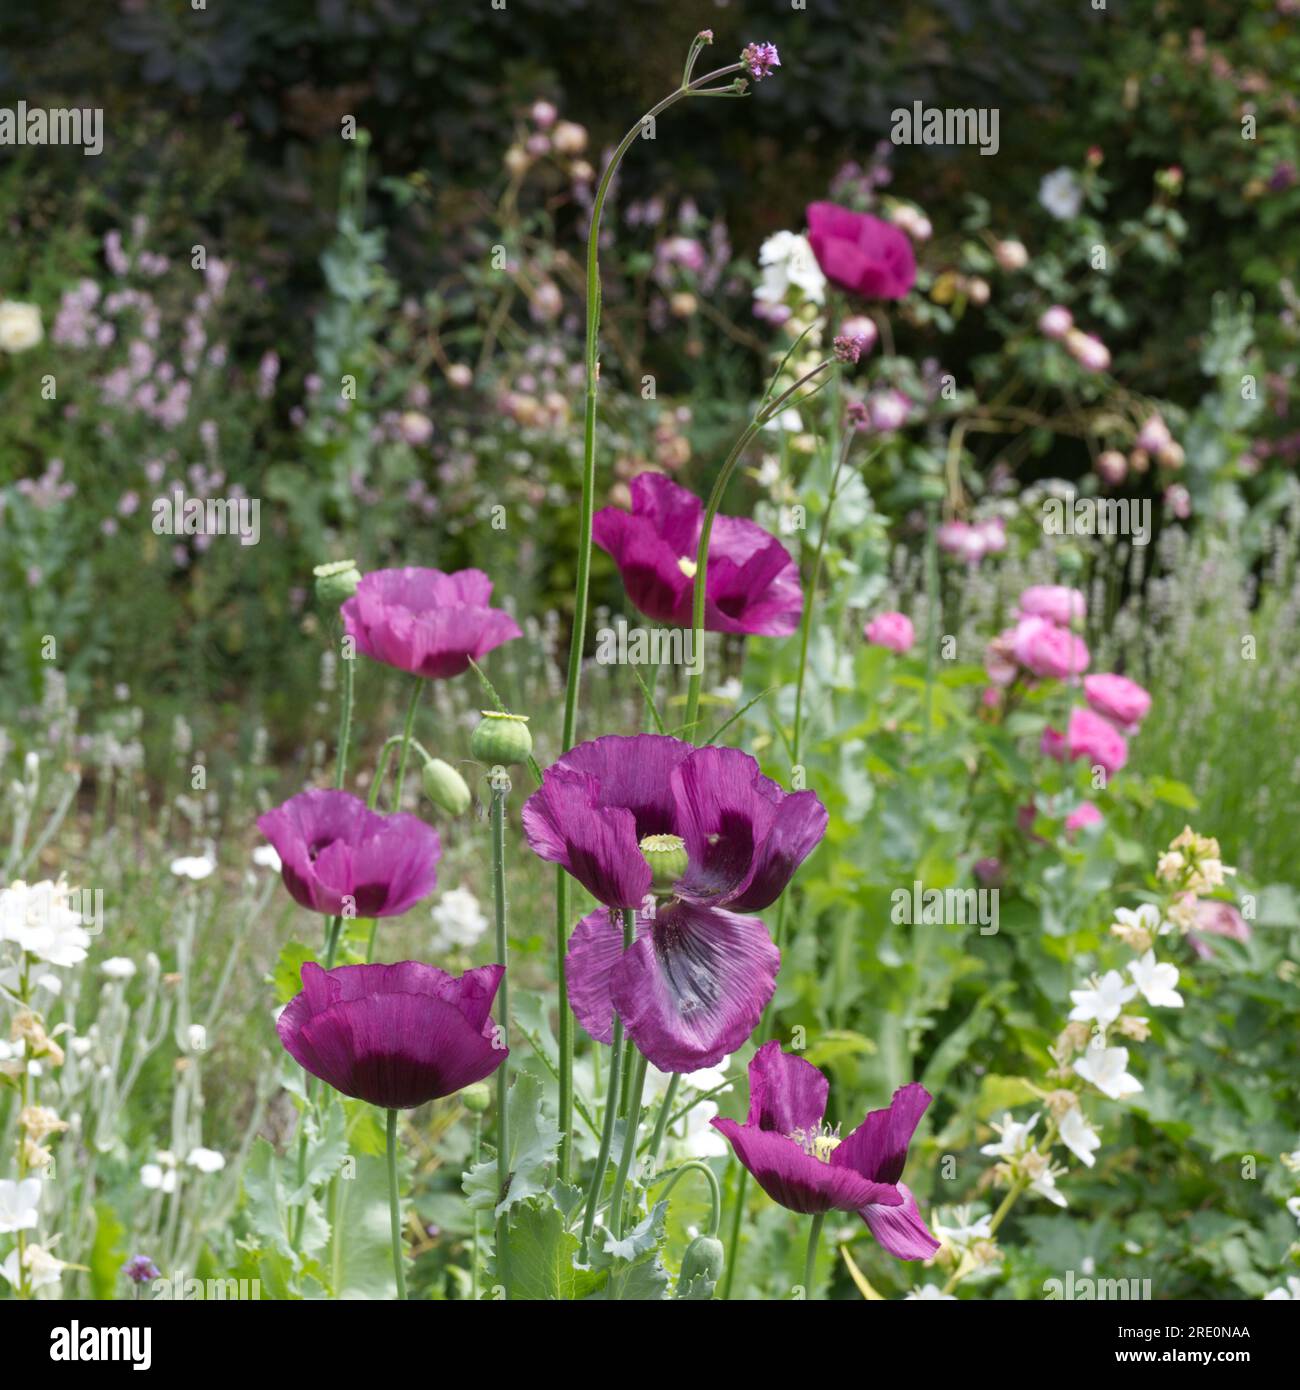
[(703, 1259), (501, 738)]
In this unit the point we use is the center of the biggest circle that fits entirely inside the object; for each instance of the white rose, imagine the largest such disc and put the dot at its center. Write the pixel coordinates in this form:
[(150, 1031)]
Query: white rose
[(20, 326)]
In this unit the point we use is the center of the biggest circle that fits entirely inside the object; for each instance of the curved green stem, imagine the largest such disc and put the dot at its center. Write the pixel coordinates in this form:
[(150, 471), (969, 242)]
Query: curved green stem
[(715, 1189), (345, 723), (765, 413), (473, 1251), (394, 1208), (582, 583), (810, 1260)]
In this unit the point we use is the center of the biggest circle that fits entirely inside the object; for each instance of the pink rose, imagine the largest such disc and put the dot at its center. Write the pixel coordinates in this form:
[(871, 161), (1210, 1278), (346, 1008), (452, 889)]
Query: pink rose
[(1118, 699), (860, 252), (1217, 919), (1048, 650), (1055, 602), (1089, 736), (1000, 660), (1087, 814), (892, 630)]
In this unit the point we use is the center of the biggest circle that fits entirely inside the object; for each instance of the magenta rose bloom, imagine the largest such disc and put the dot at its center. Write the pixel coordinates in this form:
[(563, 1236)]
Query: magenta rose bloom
[(805, 1167), (722, 839), (1081, 816), (860, 252), (1216, 918), (752, 584), (1122, 701), (1055, 602), (1088, 736), (892, 630), (1047, 650), (426, 622), (335, 853), (394, 1035)]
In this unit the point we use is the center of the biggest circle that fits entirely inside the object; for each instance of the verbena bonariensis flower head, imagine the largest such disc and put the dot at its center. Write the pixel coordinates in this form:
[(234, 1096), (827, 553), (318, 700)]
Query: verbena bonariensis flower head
[(338, 856), (425, 621), (394, 1035), (704, 832), (758, 59), (807, 1168), (860, 252), (752, 585)]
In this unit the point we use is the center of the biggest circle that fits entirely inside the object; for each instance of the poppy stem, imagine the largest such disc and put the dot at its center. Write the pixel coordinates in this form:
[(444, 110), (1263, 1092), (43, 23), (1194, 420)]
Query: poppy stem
[(406, 741), (345, 723), (611, 1101), (814, 1239), (582, 582), (394, 1208), (768, 411), (715, 1189), (473, 1253), (665, 1113), (500, 782), (635, 1092)]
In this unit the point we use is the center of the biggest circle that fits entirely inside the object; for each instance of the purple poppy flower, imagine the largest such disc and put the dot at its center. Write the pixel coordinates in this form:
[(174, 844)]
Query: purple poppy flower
[(752, 584), (807, 1168), (394, 1035), (337, 854), (870, 257), (425, 621), (704, 831)]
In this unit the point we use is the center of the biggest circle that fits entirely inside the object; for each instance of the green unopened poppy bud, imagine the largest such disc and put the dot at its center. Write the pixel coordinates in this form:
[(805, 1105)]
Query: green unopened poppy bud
[(501, 738), (445, 787), (666, 855), (336, 581), (476, 1098), (703, 1259)]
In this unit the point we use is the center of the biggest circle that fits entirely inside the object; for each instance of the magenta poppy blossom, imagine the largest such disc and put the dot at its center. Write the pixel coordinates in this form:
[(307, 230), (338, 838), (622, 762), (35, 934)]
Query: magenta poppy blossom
[(425, 621), (339, 857), (722, 839), (394, 1035), (752, 584), (805, 1167), (860, 252)]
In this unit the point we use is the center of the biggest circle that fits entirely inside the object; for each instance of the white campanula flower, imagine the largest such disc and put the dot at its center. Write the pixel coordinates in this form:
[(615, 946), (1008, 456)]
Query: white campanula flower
[(196, 867), (19, 1204), (39, 919), (267, 857), (42, 1267), (1061, 194), (1146, 919), (1107, 1069), (929, 1293), (160, 1176), (1156, 981), (1045, 1185), (1014, 1139), (1079, 1136), (1290, 1290), (787, 259), (118, 967), (964, 1231), (458, 921), (1103, 1001), (206, 1160), (1293, 1206)]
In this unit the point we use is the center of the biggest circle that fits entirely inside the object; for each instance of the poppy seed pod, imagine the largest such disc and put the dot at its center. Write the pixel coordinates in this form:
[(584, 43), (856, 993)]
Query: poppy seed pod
[(703, 1260), (445, 787), (476, 1098), (336, 582), (501, 738)]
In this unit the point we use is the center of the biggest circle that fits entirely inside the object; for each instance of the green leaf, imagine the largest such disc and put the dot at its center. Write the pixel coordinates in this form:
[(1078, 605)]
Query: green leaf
[(360, 1258), (1174, 793), (541, 1265), (534, 1140), (106, 1255), (286, 977)]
